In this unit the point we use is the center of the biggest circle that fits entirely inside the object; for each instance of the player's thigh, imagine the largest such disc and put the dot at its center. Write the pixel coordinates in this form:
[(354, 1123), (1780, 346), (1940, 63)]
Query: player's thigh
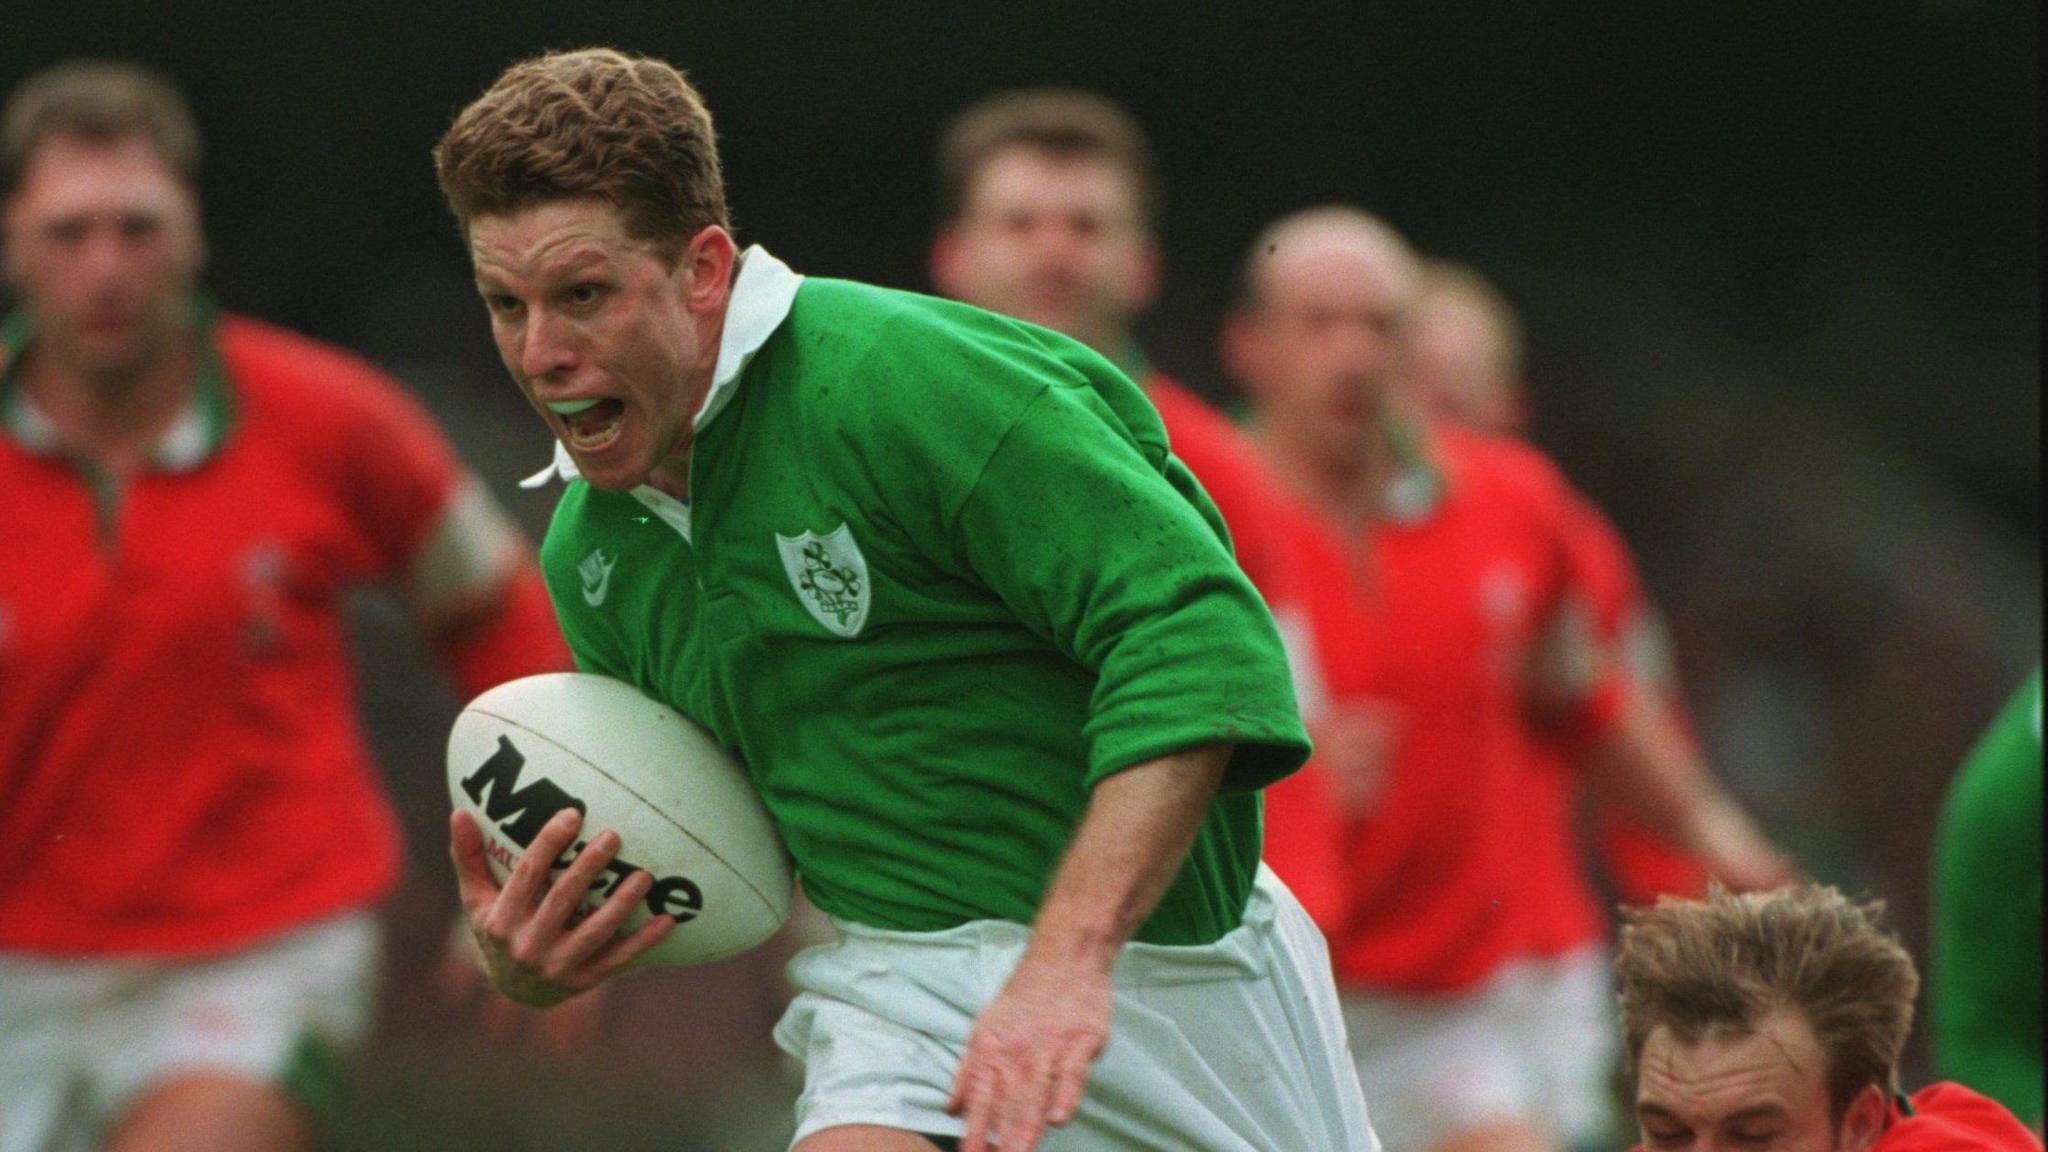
[(873, 1138), (1505, 1136), (207, 1111), (273, 1025), (1440, 1069)]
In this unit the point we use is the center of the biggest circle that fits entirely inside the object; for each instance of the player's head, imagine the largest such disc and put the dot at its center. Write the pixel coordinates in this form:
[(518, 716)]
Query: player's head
[(99, 163), (1047, 200), (587, 186), (1771, 1019), (1464, 350), (1315, 335)]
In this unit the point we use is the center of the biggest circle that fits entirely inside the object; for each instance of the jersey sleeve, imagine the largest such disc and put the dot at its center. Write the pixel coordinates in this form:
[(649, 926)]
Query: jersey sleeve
[(462, 568), (1090, 546), (1048, 482), (401, 476), (1231, 474), (1579, 675)]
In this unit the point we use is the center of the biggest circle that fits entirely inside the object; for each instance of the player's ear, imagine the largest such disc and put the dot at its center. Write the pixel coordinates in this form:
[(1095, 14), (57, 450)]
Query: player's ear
[(1146, 273), (1863, 1121), (10, 252), (707, 261), (945, 263), (1240, 345)]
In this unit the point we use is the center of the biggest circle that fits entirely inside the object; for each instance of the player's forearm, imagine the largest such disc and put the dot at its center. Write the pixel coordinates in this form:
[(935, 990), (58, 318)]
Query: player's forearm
[(1132, 840), (503, 636), (1646, 769)]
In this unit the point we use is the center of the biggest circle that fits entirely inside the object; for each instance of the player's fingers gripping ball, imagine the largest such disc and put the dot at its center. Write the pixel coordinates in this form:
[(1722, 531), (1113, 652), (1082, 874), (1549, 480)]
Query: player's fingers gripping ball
[(684, 809)]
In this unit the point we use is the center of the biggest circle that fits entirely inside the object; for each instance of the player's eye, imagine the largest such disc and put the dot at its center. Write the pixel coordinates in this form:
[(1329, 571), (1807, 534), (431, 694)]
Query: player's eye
[(137, 227), (70, 230), (584, 295), (500, 303)]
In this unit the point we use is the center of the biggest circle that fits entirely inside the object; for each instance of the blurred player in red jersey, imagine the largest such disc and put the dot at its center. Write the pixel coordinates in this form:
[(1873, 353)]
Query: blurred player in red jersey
[(1463, 365), (1776, 1020), (1049, 201), (192, 834), (1468, 538)]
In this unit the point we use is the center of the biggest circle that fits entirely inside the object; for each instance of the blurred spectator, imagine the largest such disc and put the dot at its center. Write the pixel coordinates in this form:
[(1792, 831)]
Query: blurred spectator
[(191, 830), (1777, 1020), (1986, 1006)]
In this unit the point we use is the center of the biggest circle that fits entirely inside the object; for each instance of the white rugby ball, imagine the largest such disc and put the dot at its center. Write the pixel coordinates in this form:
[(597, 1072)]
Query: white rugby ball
[(683, 807)]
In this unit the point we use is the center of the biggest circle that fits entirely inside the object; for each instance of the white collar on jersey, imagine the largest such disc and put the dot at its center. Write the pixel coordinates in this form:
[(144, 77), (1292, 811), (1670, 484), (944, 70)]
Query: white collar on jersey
[(762, 293)]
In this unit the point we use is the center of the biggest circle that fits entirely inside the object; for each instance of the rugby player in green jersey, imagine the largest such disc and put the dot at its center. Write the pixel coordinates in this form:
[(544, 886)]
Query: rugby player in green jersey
[(1986, 981), (978, 637)]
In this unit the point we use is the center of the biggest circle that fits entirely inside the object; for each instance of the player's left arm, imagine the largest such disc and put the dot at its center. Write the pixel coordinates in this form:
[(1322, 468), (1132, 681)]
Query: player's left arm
[(1069, 512), (460, 565), (476, 591), (468, 578), (1629, 746), (1028, 1059)]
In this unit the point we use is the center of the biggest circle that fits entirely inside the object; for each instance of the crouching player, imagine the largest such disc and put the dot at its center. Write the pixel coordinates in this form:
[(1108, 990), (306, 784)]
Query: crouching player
[(1776, 1020), (979, 638)]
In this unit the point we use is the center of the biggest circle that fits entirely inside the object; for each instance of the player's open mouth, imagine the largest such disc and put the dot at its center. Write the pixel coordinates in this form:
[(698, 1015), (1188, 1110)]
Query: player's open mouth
[(591, 424)]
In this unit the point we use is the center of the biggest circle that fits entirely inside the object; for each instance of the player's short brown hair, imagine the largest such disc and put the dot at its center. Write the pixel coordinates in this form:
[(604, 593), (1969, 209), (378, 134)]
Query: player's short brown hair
[(1448, 279), (100, 100), (1726, 962), (1065, 122), (628, 130)]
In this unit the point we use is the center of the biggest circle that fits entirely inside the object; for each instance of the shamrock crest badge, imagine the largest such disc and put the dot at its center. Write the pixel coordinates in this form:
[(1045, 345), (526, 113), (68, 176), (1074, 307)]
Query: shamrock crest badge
[(830, 577)]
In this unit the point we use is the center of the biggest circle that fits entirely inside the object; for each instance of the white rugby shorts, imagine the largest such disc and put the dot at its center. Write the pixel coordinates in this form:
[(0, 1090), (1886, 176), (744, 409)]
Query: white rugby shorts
[(1236, 1046), (1572, 1030), (81, 1040), (1533, 1044)]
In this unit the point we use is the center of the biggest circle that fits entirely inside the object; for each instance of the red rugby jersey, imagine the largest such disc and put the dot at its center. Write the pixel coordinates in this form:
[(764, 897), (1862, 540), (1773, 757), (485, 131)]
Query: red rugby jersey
[(1303, 568), (180, 766), (1469, 569), (1951, 1118), (1641, 865), (1948, 1117)]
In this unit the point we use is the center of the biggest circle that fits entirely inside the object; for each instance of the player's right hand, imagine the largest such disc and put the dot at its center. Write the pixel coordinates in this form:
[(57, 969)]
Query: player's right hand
[(536, 951), (567, 1031)]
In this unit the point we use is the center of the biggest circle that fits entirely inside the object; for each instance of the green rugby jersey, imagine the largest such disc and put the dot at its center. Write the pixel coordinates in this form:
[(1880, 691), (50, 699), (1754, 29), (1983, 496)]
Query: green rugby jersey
[(1985, 986), (937, 577)]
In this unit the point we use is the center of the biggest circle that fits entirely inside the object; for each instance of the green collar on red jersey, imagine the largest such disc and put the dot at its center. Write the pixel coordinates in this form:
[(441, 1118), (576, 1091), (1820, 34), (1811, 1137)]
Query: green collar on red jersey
[(1420, 482), (198, 432)]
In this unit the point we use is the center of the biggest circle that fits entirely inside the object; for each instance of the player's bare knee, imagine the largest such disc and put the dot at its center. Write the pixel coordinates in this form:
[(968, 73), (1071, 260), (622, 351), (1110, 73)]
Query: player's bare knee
[(1506, 1135), (197, 1112)]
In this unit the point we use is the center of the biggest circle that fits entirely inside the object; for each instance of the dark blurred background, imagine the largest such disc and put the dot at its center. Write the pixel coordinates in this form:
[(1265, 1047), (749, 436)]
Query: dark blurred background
[(1778, 262)]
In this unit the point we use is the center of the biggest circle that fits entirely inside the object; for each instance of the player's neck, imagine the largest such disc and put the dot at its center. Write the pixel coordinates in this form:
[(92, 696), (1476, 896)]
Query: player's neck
[(671, 474), (113, 416), (1348, 484)]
